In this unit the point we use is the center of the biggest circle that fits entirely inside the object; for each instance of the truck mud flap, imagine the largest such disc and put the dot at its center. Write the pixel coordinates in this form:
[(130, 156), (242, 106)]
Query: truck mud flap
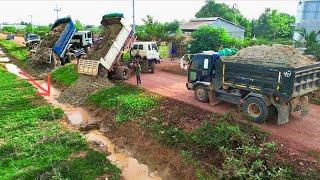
[(284, 110), (212, 96)]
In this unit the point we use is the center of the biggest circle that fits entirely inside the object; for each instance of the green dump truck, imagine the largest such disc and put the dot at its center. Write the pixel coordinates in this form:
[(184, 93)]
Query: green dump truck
[(257, 86)]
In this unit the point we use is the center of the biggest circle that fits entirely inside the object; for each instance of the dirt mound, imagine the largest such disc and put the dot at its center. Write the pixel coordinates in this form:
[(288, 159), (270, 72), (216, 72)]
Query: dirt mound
[(38, 62), (278, 53), (106, 38), (78, 92)]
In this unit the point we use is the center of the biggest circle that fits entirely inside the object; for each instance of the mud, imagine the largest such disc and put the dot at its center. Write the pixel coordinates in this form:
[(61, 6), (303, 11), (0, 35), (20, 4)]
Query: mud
[(278, 54), (78, 93), (107, 37)]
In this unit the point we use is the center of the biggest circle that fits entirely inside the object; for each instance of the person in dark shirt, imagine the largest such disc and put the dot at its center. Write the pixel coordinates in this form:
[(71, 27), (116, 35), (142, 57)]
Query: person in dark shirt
[(138, 72)]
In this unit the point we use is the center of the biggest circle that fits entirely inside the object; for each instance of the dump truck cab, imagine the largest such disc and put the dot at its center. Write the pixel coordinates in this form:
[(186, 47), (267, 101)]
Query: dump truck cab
[(82, 39), (201, 70)]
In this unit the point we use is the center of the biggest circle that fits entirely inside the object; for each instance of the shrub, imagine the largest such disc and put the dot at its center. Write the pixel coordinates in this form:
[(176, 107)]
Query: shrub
[(163, 50)]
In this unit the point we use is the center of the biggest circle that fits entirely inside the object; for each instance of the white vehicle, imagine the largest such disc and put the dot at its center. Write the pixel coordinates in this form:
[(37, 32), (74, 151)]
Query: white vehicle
[(145, 50), (82, 39)]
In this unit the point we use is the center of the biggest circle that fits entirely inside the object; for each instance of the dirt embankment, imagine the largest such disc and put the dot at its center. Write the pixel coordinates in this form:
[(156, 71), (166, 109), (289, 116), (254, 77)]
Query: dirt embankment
[(78, 93), (38, 63), (278, 54)]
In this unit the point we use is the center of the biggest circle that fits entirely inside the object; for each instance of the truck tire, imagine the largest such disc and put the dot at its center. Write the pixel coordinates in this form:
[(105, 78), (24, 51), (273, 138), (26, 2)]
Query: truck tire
[(201, 93), (153, 67), (123, 73), (256, 109)]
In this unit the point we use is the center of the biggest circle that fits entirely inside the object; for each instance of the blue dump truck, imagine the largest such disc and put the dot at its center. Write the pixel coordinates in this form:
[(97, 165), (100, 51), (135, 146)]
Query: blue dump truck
[(62, 44), (259, 87)]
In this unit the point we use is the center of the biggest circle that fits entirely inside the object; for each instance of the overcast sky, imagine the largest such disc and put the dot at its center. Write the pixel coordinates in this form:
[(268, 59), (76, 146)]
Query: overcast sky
[(90, 11)]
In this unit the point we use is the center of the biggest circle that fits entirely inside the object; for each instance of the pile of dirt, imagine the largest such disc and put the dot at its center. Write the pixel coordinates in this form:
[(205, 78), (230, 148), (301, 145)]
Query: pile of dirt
[(38, 62), (278, 53), (78, 92), (106, 38)]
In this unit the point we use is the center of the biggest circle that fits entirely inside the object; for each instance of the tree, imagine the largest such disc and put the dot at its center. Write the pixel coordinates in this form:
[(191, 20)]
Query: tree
[(153, 30), (213, 9), (78, 25), (208, 38), (273, 24)]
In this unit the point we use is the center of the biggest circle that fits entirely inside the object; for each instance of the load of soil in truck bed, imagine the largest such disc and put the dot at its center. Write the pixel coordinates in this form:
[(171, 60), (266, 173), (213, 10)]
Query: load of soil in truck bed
[(38, 62), (106, 38), (278, 53)]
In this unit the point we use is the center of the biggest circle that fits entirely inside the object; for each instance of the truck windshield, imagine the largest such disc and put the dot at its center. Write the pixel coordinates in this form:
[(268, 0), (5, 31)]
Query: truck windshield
[(33, 37), (197, 62)]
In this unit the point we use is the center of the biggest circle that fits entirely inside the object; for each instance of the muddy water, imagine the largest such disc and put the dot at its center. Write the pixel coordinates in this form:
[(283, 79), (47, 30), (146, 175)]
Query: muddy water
[(131, 168)]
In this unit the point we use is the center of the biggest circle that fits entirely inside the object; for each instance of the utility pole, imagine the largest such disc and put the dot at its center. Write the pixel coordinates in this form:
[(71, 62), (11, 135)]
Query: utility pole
[(57, 11), (235, 7), (134, 20), (31, 22)]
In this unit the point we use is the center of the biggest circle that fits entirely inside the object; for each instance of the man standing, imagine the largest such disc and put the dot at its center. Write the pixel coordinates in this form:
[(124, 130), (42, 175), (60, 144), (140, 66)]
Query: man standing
[(138, 73), (173, 53)]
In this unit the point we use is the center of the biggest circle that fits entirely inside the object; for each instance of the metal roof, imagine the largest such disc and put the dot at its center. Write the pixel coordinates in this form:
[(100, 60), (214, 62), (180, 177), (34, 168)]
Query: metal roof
[(194, 24)]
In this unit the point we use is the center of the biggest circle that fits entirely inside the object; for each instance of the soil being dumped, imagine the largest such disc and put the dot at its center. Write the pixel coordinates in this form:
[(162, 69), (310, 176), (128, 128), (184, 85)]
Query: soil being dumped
[(78, 92), (106, 38), (38, 63), (279, 54)]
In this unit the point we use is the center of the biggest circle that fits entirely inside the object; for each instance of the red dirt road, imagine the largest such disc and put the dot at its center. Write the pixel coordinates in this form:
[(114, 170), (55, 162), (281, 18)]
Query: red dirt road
[(174, 86), (299, 134), (17, 39)]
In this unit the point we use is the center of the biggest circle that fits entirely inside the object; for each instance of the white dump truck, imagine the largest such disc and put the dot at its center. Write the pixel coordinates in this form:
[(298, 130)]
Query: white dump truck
[(112, 63)]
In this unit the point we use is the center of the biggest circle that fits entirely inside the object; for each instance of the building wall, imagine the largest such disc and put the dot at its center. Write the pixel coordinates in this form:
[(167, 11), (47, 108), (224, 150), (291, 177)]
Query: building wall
[(308, 17), (234, 31)]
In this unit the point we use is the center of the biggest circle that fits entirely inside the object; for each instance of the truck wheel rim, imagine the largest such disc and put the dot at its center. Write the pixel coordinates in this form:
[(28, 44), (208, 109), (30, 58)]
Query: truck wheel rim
[(200, 93), (254, 110)]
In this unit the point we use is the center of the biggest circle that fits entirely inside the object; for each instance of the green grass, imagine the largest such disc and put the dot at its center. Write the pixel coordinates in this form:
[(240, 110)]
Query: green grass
[(127, 101), (15, 51), (65, 75), (315, 101), (220, 147), (34, 145)]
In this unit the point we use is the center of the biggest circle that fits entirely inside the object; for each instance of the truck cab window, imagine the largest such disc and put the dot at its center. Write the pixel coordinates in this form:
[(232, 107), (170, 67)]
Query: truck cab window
[(135, 47), (149, 48), (140, 47), (154, 47)]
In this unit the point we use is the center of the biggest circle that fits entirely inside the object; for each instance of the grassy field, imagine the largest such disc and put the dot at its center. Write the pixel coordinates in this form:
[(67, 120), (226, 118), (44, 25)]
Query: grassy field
[(33, 144), (218, 146), (15, 51), (65, 75)]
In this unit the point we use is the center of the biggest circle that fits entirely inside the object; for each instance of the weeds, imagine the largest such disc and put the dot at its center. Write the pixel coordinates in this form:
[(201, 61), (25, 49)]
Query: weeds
[(18, 52), (33, 143), (65, 75), (127, 101)]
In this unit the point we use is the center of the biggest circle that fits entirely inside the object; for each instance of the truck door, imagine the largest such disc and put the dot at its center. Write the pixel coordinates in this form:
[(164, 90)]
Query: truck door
[(200, 68)]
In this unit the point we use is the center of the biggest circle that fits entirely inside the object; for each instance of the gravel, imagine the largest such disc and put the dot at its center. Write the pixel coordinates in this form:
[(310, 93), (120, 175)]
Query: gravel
[(278, 53), (78, 93)]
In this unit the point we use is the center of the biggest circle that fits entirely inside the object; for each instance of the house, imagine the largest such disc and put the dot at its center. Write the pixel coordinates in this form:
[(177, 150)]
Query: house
[(234, 30), (308, 19)]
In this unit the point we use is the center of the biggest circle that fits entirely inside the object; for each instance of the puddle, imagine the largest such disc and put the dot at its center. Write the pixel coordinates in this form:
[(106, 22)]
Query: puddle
[(4, 59), (131, 168)]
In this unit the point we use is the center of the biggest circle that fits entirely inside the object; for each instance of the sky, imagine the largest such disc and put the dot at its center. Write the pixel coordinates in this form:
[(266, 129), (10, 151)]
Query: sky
[(91, 11)]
